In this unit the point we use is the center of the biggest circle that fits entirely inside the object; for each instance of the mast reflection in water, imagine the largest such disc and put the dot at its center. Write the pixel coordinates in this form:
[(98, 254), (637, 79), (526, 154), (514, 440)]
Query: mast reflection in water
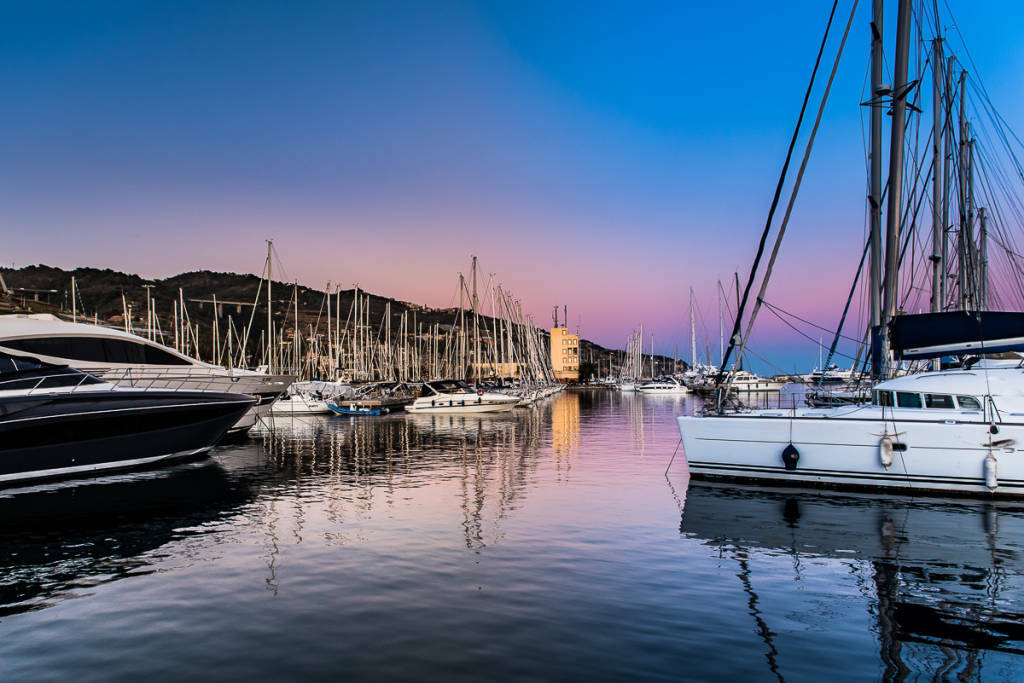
[(943, 582), (539, 544)]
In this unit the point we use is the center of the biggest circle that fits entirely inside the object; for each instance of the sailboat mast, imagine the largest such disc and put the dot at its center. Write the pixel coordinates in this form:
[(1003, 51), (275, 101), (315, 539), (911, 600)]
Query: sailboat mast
[(937, 177), (875, 197), (721, 327), (270, 335), (693, 334), (899, 123)]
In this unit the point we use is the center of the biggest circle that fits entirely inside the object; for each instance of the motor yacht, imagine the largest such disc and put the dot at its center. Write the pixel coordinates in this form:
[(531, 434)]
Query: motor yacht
[(58, 421), (455, 396), (665, 387), (128, 360)]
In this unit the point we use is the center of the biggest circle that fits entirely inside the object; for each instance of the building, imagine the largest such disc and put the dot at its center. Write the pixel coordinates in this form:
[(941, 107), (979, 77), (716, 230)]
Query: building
[(565, 354)]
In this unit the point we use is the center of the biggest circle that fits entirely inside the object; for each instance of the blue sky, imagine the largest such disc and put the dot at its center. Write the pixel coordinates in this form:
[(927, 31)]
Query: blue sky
[(606, 156)]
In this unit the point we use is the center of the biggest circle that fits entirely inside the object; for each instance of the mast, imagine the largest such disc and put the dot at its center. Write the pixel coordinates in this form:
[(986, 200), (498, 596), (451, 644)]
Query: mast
[(476, 328), (721, 327), (983, 263), (961, 241), (270, 323), (936, 257), (875, 192), (938, 227), (972, 254), (899, 123), (74, 306), (693, 334), (947, 154)]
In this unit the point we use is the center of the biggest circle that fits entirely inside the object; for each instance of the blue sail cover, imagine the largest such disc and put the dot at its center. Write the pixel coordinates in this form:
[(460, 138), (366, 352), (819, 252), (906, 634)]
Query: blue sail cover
[(931, 335)]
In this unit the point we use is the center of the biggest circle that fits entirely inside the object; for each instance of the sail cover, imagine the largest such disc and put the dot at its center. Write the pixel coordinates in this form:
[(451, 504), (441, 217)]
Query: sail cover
[(930, 335)]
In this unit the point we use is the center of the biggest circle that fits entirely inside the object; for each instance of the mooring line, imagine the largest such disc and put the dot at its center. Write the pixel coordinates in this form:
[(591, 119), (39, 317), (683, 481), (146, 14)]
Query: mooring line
[(673, 456)]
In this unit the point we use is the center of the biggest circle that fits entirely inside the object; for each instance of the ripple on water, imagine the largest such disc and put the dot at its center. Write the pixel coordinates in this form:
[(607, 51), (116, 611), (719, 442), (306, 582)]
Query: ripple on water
[(544, 545)]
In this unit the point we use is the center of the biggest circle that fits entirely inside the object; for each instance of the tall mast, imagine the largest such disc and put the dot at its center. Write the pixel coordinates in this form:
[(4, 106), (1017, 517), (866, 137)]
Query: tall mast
[(693, 334), (875, 192), (721, 326), (899, 123), (270, 322), (962, 246), (938, 227), (476, 328), (972, 254), (947, 154), (983, 263)]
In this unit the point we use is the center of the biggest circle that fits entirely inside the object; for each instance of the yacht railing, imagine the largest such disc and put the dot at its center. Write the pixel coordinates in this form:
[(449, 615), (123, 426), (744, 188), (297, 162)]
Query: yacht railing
[(120, 379)]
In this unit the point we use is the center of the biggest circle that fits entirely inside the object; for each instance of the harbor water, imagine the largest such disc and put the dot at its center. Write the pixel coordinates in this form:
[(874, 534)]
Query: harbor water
[(544, 544)]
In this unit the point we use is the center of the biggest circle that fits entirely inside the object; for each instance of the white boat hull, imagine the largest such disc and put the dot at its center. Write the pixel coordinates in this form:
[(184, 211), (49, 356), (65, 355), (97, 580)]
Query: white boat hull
[(455, 407), (940, 455), (299, 406)]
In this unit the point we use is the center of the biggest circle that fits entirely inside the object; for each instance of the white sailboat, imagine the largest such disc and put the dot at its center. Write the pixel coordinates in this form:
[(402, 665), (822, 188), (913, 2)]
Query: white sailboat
[(958, 430)]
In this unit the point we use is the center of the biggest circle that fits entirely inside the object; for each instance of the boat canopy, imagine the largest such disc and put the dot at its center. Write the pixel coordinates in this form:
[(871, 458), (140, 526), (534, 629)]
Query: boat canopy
[(931, 335)]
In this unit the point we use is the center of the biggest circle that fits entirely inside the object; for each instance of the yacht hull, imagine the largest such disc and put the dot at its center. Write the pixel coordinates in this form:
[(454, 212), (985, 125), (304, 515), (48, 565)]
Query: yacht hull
[(456, 407), (45, 436), (930, 455)]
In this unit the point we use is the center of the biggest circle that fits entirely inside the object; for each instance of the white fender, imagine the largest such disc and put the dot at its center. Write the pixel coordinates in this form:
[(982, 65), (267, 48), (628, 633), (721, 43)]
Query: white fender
[(991, 474), (885, 451)]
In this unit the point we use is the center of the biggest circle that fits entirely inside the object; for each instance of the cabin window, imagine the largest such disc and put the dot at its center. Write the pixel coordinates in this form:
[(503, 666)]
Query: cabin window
[(968, 403), (96, 350), (908, 399), (884, 399), (938, 401)]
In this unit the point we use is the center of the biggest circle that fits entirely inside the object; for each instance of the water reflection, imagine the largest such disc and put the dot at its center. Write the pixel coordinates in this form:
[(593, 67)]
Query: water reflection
[(943, 580), (58, 541)]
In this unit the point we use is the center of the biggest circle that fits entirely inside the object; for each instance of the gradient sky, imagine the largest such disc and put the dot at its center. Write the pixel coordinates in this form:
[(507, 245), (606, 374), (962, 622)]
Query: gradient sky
[(605, 156)]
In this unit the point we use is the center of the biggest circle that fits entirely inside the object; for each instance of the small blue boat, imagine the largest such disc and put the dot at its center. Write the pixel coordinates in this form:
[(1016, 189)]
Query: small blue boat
[(353, 409)]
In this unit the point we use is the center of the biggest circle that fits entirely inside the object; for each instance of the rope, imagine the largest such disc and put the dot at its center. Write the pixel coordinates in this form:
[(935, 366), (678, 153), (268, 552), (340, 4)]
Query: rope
[(795, 190), (775, 199)]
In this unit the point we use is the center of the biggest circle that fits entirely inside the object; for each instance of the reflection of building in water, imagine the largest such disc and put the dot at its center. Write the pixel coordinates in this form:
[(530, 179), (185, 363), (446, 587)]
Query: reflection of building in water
[(565, 428), (946, 582)]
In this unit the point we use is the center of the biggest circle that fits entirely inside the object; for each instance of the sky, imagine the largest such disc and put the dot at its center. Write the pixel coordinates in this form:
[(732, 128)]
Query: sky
[(602, 156)]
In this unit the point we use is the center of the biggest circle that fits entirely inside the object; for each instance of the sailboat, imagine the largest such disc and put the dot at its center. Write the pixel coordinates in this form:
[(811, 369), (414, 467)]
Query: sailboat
[(958, 430)]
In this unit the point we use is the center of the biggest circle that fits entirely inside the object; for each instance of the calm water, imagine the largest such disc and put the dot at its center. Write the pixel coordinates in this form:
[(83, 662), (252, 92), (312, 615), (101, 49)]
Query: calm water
[(545, 545)]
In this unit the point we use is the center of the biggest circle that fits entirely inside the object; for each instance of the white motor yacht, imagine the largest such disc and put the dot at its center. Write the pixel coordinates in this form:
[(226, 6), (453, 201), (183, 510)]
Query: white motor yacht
[(128, 360), (455, 396), (666, 387)]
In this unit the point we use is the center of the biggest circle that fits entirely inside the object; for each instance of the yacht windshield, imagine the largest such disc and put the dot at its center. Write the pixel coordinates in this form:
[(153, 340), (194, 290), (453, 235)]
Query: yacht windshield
[(449, 386), (17, 373)]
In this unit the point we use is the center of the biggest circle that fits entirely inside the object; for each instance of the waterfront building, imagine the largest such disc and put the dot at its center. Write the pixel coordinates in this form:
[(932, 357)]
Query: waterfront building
[(565, 354)]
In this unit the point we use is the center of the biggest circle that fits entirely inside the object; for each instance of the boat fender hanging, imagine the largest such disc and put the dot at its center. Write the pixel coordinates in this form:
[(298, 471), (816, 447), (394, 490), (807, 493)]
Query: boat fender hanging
[(790, 456), (991, 474), (885, 450)]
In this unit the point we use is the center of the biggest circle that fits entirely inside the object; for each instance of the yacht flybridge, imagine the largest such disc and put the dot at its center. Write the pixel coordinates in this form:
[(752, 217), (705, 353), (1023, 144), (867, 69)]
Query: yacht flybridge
[(128, 360), (455, 396)]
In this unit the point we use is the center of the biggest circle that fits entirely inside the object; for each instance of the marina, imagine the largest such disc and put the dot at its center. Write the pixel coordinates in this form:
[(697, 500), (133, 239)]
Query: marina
[(513, 343)]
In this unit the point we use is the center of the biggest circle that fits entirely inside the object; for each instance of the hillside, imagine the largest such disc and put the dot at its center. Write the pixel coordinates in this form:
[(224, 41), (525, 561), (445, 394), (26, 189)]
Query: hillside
[(104, 294)]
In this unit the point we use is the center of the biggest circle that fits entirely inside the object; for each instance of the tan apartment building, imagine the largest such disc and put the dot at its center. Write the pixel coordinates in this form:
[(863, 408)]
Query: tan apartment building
[(565, 354)]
